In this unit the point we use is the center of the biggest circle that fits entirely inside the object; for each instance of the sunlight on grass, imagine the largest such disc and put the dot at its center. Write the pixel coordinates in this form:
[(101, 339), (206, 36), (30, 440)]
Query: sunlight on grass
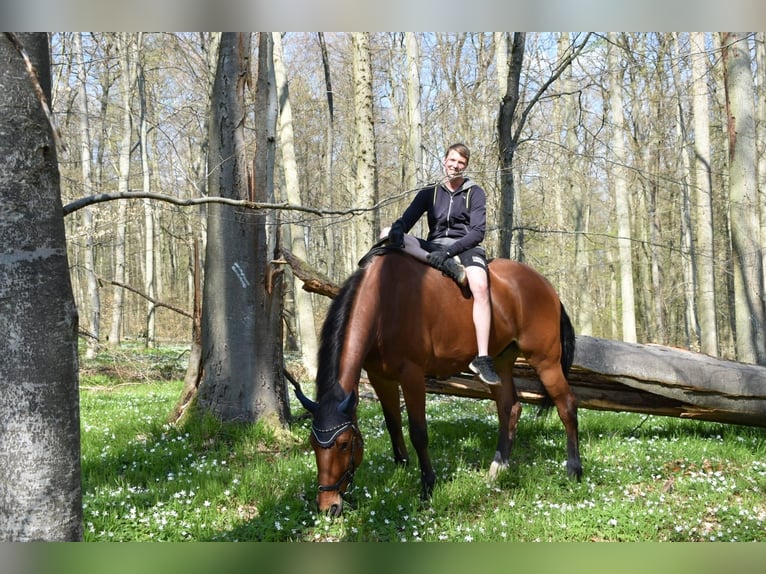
[(646, 478)]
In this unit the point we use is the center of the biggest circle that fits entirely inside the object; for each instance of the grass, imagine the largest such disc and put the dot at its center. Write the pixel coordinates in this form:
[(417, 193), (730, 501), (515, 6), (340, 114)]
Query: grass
[(645, 478)]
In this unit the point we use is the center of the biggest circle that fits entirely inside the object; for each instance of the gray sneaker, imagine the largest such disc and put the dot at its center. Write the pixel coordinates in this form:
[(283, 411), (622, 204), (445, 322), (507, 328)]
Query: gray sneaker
[(483, 367)]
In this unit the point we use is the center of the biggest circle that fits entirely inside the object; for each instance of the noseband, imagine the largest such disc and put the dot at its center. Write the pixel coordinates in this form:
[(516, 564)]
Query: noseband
[(326, 438)]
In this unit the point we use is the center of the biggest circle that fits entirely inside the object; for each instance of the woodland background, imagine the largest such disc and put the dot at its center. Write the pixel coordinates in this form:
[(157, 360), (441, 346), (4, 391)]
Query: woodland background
[(638, 172)]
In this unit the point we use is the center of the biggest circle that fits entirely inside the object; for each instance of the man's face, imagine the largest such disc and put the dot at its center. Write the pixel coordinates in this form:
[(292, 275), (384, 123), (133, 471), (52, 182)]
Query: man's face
[(454, 164)]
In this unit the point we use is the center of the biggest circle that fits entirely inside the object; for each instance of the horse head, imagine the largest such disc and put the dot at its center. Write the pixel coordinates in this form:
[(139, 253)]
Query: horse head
[(337, 444)]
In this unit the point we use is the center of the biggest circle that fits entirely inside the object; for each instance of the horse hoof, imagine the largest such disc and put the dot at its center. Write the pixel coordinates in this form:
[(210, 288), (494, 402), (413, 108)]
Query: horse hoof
[(496, 468), (575, 472)]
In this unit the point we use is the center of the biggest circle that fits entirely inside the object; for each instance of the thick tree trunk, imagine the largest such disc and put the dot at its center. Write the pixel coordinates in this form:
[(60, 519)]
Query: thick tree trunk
[(241, 311), (40, 493), (228, 303)]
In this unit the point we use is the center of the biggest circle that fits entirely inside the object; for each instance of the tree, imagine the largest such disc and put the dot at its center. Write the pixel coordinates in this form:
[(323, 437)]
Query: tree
[(303, 306), (94, 298), (414, 168), (366, 163), (241, 311), (129, 49), (704, 248), (622, 199), (40, 494), (745, 229), (511, 121)]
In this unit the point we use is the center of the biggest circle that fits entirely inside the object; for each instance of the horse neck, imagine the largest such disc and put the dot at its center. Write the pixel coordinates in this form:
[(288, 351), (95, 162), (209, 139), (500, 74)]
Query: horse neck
[(359, 331), (341, 353)]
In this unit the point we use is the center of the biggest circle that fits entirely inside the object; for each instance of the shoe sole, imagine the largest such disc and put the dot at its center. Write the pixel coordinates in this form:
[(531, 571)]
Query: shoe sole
[(482, 379)]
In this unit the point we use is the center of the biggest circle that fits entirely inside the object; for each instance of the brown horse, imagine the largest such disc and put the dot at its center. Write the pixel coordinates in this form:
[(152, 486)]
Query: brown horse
[(401, 320)]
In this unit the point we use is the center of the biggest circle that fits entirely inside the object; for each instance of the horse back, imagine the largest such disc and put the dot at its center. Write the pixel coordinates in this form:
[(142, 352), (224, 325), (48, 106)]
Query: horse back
[(421, 317)]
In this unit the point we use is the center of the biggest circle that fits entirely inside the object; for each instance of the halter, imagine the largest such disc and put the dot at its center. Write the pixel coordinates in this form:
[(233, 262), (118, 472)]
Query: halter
[(326, 438)]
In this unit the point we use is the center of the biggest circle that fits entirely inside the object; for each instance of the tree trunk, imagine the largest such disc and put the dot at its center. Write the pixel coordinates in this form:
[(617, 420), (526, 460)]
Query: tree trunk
[(703, 250), (270, 400), (416, 170), (150, 284), (366, 185), (303, 303), (748, 273), (326, 180), (128, 48), (241, 313), (40, 493), (94, 299), (507, 142), (622, 200)]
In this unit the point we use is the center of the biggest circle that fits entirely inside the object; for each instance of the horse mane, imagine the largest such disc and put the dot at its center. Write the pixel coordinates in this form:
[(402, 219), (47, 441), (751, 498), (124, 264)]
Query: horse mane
[(334, 334)]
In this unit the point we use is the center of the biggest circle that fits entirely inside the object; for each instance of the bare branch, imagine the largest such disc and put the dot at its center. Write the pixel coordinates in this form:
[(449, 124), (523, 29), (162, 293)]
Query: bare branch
[(152, 300), (102, 197)]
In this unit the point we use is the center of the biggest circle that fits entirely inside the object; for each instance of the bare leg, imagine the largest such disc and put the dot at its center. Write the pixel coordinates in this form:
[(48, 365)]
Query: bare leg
[(482, 310)]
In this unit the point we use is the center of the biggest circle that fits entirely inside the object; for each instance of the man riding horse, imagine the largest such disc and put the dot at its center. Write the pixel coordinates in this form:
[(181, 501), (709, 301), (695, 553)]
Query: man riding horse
[(457, 217)]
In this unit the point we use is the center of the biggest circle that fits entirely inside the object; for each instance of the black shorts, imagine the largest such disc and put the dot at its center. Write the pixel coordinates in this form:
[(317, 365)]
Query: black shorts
[(474, 257)]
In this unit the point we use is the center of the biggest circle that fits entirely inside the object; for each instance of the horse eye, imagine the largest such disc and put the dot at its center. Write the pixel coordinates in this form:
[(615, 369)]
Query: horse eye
[(343, 445)]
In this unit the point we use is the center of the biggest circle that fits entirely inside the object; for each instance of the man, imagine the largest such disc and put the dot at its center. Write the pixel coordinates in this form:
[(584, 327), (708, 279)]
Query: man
[(457, 217)]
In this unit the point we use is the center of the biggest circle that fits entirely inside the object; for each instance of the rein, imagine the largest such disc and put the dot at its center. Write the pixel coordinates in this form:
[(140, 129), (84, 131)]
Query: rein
[(327, 443)]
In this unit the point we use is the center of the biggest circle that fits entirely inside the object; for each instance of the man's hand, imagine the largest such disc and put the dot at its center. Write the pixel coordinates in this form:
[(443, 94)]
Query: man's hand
[(437, 258), (396, 234)]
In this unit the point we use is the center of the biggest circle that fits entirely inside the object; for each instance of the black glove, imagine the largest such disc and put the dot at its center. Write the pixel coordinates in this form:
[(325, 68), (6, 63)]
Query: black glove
[(437, 258), (396, 234)]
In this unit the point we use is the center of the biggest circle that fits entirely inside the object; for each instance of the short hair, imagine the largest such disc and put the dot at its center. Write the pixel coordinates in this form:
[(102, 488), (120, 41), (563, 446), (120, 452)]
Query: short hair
[(460, 148)]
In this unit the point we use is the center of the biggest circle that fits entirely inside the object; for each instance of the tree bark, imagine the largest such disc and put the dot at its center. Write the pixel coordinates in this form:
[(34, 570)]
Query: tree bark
[(622, 200), (415, 167), (704, 251), (128, 48), (241, 311), (303, 303), (40, 492), (366, 165), (750, 315), (94, 298), (150, 268)]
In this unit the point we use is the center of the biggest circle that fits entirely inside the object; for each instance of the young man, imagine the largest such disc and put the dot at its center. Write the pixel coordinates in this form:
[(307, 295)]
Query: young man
[(457, 218)]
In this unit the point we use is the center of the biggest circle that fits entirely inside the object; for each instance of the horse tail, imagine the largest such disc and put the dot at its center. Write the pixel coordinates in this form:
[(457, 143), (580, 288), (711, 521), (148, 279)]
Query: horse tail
[(567, 357), (567, 342)]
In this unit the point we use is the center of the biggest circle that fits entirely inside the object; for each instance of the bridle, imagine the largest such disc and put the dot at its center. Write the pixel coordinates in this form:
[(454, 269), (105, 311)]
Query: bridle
[(330, 435)]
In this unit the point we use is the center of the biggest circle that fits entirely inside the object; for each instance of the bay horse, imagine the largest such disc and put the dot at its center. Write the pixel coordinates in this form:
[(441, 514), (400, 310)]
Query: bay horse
[(401, 321)]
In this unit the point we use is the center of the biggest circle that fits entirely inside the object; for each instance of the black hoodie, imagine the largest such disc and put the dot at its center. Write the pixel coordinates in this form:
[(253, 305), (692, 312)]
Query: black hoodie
[(459, 215)]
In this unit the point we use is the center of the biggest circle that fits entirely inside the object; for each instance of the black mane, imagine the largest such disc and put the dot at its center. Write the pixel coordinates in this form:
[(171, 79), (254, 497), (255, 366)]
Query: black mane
[(333, 334)]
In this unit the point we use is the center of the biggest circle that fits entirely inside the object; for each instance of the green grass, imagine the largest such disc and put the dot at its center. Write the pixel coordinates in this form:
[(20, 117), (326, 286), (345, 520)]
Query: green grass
[(645, 478)]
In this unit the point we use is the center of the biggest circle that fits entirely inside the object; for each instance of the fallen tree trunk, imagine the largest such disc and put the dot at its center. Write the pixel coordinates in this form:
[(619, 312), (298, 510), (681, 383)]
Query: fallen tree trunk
[(618, 376), (652, 379)]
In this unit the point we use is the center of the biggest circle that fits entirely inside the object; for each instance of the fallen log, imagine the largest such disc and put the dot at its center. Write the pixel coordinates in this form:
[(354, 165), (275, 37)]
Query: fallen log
[(651, 379), (618, 376)]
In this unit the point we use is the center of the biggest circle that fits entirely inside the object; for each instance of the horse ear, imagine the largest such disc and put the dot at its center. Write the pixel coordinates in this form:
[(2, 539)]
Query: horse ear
[(348, 404), (307, 403)]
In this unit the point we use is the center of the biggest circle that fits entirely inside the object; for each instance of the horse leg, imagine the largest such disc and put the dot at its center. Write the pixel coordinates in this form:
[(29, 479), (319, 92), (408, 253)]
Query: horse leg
[(414, 392), (388, 394), (508, 413), (558, 389)]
